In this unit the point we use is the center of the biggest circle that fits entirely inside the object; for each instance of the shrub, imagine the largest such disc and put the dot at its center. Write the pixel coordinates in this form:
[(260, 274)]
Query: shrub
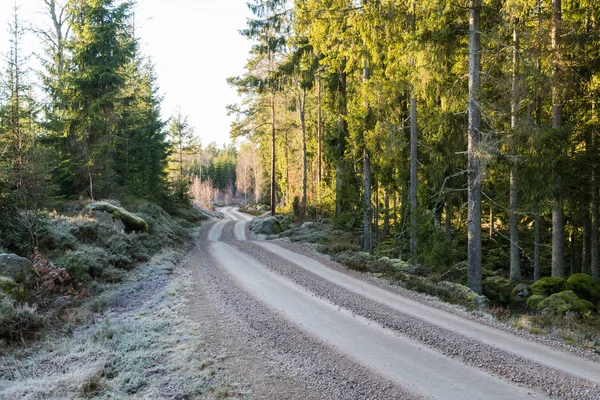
[(18, 321), (497, 289)]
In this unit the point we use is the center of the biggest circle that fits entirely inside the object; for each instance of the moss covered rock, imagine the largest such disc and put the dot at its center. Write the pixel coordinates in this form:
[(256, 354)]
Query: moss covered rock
[(585, 287), (534, 300), (269, 225), (132, 222), (386, 264), (18, 269), (548, 286), (497, 289), (519, 295), (564, 302)]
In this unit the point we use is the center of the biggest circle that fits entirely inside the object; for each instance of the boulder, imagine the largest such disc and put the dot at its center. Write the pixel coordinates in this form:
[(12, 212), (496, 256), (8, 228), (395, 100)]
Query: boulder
[(18, 269), (132, 222), (534, 300), (266, 226), (521, 291), (386, 264), (565, 302), (308, 226), (519, 295), (548, 286), (585, 287)]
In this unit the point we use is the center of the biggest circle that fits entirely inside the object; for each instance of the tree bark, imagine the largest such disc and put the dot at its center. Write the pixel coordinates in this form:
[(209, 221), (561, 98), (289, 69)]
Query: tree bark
[(595, 267), (319, 134), (413, 157), (515, 256), (413, 178), (536, 248), (273, 181), (474, 174), (304, 160), (368, 213), (386, 212), (558, 231), (557, 203)]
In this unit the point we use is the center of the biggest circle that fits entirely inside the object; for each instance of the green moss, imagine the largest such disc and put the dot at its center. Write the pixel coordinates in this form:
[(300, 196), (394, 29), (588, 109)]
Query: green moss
[(497, 289), (534, 300), (564, 302), (132, 222), (585, 287), (548, 286)]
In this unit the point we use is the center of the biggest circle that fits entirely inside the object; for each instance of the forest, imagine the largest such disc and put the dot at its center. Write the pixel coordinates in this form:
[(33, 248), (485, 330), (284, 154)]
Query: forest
[(461, 136)]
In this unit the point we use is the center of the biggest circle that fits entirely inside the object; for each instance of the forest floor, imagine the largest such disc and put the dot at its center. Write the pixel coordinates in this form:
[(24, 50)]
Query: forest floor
[(236, 316)]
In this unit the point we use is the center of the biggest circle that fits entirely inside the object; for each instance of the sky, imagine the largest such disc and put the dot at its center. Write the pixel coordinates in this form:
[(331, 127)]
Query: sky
[(195, 46)]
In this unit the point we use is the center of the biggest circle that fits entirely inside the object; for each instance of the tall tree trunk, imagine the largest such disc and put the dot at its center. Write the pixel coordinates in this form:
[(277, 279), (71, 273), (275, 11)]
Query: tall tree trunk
[(413, 178), (572, 253), (474, 175), (595, 222), (515, 256), (273, 180), (341, 145), (304, 160), (413, 157), (319, 134), (585, 237), (558, 231), (368, 213), (367, 244), (537, 237), (558, 225), (386, 212)]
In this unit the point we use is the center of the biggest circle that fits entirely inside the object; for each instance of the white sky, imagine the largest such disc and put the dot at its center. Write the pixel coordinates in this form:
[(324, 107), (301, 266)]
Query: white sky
[(194, 44)]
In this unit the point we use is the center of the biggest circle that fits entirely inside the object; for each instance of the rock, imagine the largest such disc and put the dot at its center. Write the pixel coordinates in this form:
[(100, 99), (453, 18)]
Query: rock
[(266, 226), (562, 303), (18, 269), (534, 300), (519, 295), (585, 287), (548, 286), (497, 289), (521, 291), (308, 225), (132, 222), (386, 264)]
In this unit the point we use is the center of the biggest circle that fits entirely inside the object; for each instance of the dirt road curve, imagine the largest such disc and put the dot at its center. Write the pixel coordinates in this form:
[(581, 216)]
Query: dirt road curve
[(298, 326)]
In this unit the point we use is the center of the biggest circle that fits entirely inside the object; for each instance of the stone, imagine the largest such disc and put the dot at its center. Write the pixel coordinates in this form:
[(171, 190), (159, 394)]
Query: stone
[(548, 286), (266, 226), (559, 304), (18, 269), (585, 287)]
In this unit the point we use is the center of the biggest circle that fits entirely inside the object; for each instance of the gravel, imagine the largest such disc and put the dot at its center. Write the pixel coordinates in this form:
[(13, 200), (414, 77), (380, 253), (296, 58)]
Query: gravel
[(555, 383), (286, 362)]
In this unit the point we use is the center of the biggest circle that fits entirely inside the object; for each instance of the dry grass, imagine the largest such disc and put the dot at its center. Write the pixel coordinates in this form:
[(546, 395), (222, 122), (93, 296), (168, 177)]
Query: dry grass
[(142, 346)]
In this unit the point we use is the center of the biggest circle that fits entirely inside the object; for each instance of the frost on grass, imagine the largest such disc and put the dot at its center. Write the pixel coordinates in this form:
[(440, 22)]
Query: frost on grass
[(142, 346)]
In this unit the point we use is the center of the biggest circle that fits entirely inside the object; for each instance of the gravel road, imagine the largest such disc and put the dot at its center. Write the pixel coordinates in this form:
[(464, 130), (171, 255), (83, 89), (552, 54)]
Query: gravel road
[(314, 330)]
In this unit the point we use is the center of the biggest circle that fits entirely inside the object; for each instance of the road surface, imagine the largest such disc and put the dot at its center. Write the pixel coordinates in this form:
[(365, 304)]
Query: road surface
[(314, 330)]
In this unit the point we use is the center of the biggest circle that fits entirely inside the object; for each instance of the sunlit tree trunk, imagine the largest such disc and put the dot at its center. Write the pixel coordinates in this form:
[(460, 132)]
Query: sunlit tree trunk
[(474, 175), (558, 223), (515, 256)]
